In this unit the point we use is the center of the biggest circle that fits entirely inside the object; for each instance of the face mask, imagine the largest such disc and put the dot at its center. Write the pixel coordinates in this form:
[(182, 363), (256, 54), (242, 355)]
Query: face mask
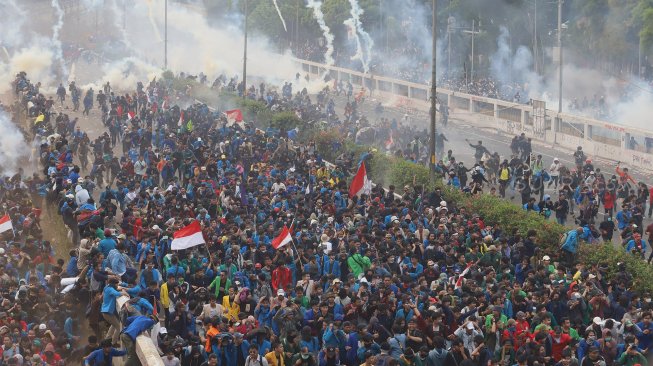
[(305, 356)]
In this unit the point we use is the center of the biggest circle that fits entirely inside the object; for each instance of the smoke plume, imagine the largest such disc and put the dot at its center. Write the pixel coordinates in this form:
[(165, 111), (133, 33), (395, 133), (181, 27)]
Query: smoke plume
[(316, 6), (13, 147)]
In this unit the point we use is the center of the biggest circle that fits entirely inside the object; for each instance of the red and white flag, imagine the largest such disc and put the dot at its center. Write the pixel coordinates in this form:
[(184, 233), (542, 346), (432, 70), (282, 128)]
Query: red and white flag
[(361, 184), (461, 276), (282, 239), (234, 115), (131, 115), (188, 236), (181, 119), (5, 224)]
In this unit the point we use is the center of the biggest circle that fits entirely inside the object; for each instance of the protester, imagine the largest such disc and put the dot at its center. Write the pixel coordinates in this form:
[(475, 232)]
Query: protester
[(291, 269)]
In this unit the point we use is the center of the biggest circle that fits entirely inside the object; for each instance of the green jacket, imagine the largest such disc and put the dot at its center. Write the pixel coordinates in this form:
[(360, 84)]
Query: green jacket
[(216, 283), (630, 360), (358, 264)]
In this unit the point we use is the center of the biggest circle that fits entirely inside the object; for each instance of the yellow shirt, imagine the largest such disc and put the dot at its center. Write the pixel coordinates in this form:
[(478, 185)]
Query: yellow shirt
[(231, 308), (273, 359)]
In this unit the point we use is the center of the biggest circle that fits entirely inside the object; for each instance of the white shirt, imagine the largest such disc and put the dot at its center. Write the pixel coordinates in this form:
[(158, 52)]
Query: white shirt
[(554, 169)]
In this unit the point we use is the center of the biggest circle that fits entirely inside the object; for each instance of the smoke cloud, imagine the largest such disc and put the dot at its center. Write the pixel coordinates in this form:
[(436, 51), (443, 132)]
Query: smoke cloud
[(364, 45), (276, 6), (316, 6), (13, 147)]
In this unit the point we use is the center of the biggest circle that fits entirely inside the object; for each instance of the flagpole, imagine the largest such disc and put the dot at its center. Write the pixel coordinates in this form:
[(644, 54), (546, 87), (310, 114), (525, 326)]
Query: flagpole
[(299, 257)]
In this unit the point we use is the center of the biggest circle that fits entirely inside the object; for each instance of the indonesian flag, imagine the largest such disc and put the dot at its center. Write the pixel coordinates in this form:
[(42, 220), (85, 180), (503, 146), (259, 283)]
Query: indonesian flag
[(181, 119), (234, 115), (188, 236), (461, 276), (361, 184), (5, 224), (389, 142), (131, 115), (284, 238)]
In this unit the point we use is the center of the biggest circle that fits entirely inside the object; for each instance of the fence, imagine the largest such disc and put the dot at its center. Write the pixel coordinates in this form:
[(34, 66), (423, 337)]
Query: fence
[(598, 138)]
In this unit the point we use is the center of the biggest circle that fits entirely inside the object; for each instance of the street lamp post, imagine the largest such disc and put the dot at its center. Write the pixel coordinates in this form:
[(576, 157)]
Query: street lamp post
[(473, 32), (434, 94), (560, 56), (165, 40), (245, 55)]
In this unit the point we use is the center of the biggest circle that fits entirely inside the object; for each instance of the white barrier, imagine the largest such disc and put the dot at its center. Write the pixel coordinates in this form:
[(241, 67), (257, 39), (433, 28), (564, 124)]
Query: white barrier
[(598, 138), (145, 349)]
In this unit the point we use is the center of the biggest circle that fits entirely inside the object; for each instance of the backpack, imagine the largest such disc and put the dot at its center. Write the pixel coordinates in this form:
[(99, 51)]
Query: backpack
[(563, 238)]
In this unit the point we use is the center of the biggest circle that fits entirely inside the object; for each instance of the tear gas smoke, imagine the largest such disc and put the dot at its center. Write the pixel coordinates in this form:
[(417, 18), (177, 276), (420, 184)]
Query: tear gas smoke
[(316, 6), (364, 45), (276, 6), (56, 42), (12, 145)]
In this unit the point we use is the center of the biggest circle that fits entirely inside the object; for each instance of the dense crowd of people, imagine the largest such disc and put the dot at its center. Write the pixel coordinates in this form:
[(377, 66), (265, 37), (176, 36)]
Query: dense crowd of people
[(402, 276)]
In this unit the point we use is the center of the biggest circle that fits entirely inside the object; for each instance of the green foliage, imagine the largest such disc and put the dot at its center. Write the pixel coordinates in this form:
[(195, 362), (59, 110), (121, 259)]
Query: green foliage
[(254, 111), (607, 255), (286, 120), (168, 75)]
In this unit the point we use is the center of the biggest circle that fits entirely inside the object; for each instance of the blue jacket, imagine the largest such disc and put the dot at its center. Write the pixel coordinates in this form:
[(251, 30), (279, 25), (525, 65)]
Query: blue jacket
[(571, 244), (330, 268), (109, 296), (136, 325), (98, 357), (631, 245)]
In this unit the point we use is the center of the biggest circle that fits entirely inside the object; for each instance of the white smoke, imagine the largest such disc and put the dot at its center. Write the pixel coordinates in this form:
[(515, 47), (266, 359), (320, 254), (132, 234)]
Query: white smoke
[(195, 46), (276, 6), (316, 6), (12, 145), (13, 18), (150, 16), (36, 61), (364, 45), (56, 42)]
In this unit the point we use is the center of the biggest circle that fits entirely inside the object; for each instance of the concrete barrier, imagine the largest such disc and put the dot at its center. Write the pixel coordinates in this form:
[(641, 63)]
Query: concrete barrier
[(147, 352), (598, 138)]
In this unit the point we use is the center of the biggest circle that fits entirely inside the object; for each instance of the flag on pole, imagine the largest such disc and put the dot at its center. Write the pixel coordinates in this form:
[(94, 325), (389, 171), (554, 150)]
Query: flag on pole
[(5, 224), (131, 115), (282, 239), (188, 236), (181, 119), (361, 184), (234, 115), (461, 276)]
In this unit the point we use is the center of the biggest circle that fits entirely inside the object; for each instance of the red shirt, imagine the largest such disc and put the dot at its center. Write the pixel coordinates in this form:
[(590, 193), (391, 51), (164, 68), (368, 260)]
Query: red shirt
[(557, 347), (281, 278)]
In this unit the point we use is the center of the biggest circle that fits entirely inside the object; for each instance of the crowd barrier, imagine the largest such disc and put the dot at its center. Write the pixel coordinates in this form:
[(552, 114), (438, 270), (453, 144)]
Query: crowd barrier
[(146, 350), (602, 139)]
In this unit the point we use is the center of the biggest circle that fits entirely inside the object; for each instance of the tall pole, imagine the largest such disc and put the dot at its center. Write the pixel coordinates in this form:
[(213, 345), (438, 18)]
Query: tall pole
[(535, 47), (639, 59), (245, 55), (473, 32), (560, 56), (165, 40), (297, 27), (434, 94), (449, 46)]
